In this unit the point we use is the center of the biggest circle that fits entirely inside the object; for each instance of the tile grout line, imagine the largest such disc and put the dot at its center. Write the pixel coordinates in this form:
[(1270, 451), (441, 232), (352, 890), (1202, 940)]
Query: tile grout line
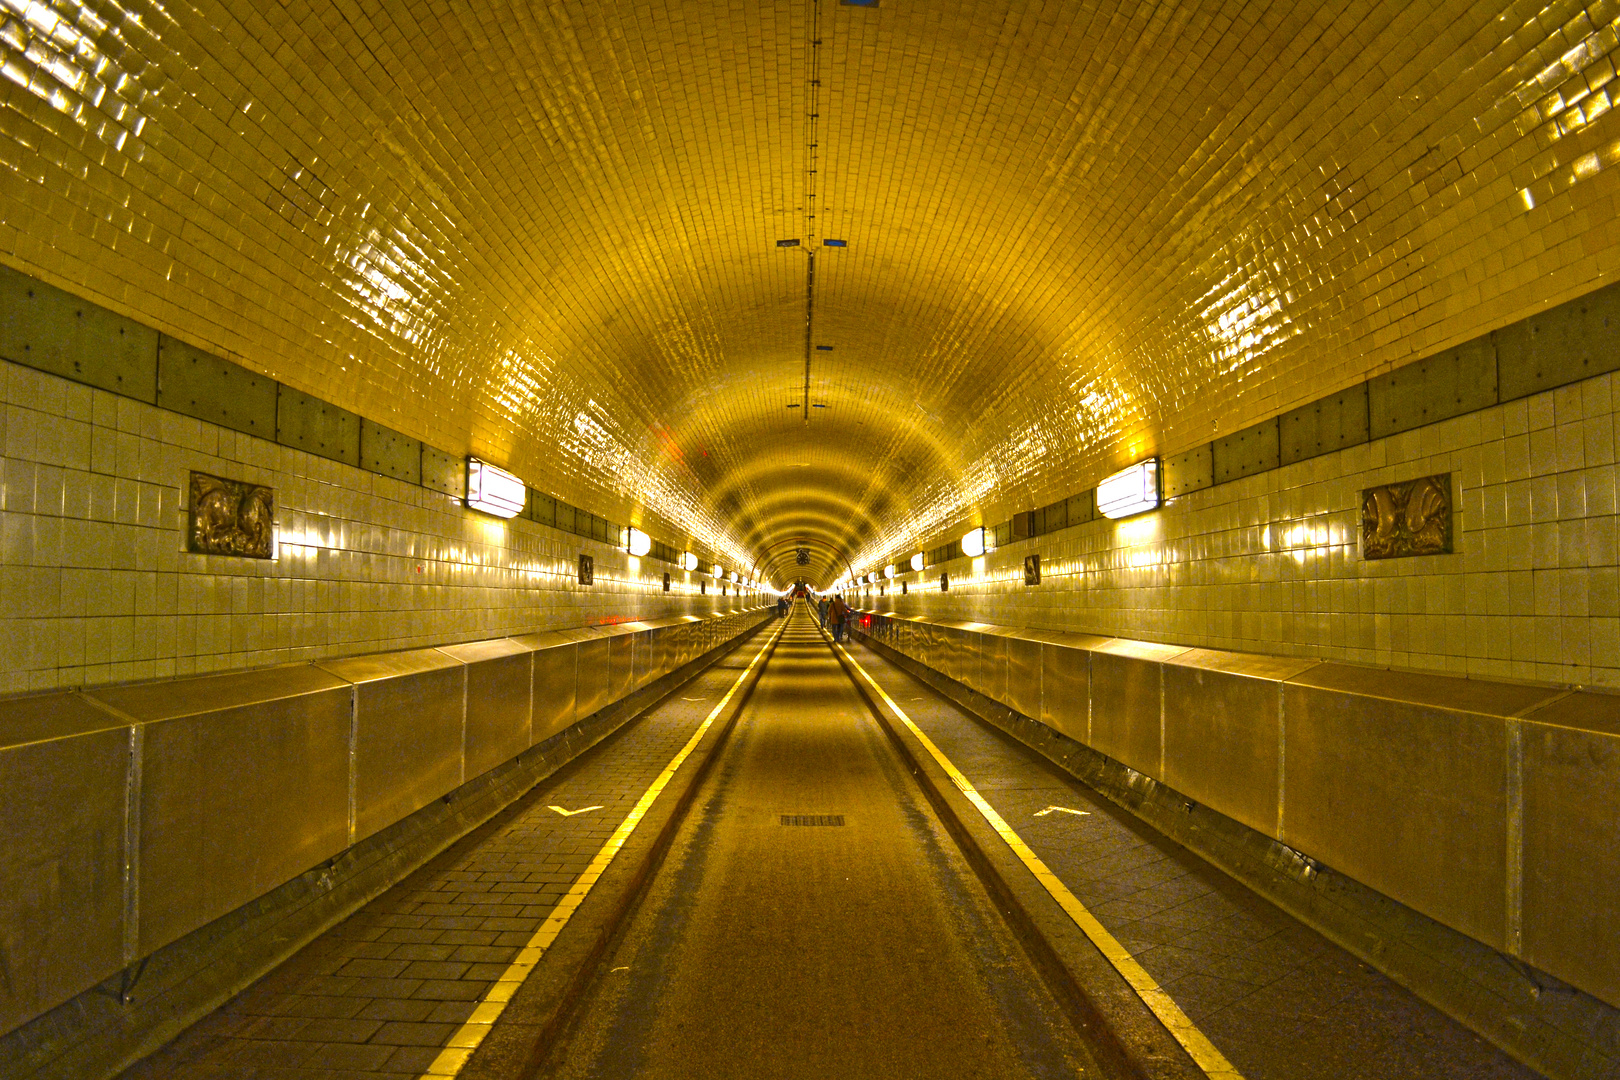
[(467, 1037), (1195, 1042)]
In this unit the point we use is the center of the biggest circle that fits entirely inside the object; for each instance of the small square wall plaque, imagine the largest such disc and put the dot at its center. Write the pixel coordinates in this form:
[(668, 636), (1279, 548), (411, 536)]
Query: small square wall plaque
[(666, 583), (231, 517), (587, 570), (1409, 518), (1032, 569)]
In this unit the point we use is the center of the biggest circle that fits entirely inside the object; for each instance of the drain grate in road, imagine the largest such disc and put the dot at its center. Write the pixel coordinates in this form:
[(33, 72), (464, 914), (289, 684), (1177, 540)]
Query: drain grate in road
[(812, 819)]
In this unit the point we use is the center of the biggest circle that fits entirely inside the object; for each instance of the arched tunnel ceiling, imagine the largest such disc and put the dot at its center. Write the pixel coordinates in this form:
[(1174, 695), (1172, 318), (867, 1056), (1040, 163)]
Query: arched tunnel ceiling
[(1077, 232)]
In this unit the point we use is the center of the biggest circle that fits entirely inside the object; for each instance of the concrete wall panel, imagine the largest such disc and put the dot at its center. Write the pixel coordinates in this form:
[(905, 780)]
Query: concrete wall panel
[(1243, 453), (1565, 344), (444, 472), (1447, 384), (384, 450), (45, 328), (1328, 424), (1192, 470), (200, 384), (317, 427)]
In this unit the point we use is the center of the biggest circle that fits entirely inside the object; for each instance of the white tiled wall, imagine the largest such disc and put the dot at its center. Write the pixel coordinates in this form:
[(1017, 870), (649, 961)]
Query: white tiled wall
[(1272, 564), (96, 587)]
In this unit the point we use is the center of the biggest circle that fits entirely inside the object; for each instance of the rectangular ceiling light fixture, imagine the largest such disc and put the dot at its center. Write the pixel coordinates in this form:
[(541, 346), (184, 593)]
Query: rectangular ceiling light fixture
[(1130, 491), (823, 348), (787, 243), (494, 491), (839, 243)]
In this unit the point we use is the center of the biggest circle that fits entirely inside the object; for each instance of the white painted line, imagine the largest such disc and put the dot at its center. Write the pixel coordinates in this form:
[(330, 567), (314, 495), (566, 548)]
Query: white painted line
[(571, 813), (1049, 810), (1195, 1042), (467, 1037)]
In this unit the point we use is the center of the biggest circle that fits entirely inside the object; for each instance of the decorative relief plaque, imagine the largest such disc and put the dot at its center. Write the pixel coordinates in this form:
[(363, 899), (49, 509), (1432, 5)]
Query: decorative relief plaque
[(231, 517), (666, 583), (1409, 518), (587, 570), (1032, 569), (944, 583)]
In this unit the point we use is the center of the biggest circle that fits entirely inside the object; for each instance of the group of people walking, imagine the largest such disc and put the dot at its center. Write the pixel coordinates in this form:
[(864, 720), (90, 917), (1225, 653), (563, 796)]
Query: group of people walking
[(834, 613), (831, 610)]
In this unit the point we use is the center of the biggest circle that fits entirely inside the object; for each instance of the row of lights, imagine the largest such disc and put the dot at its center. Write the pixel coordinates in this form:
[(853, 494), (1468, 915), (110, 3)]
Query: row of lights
[(1131, 491), (492, 490)]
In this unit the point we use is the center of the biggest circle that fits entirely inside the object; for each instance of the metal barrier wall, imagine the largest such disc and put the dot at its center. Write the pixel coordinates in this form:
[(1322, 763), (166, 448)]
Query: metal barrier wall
[(1491, 807), (133, 815)]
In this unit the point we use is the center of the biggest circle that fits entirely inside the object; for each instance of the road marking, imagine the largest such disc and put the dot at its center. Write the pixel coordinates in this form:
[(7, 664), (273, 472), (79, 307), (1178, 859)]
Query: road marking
[(571, 813), (466, 1038), (1195, 1042), (1043, 813)]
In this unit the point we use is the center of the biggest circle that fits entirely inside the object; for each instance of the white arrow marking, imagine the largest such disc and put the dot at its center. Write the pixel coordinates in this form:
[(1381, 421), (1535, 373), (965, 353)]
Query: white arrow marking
[(1048, 810), (571, 813)]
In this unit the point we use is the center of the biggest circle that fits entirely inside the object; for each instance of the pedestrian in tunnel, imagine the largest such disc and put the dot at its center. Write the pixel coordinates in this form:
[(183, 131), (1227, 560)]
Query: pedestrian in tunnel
[(837, 613), (821, 609)]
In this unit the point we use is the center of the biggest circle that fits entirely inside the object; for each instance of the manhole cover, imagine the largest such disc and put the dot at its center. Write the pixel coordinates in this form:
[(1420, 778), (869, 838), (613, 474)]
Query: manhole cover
[(812, 819)]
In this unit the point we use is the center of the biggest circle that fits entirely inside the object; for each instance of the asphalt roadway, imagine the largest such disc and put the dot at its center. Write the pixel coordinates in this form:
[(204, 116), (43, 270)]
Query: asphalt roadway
[(813, 919)]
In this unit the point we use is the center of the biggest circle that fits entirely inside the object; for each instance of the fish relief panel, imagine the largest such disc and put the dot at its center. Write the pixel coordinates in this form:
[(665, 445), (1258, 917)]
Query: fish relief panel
[(231, 517), (1409, 518)]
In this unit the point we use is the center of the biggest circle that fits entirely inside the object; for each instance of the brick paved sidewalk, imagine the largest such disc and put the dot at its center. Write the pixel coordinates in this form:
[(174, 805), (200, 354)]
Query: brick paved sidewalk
[(1278, 999), (378, 995)]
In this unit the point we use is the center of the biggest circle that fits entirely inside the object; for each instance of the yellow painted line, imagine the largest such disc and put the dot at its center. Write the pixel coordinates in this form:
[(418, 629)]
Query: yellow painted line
[(467, 1037), (1195, 1042)]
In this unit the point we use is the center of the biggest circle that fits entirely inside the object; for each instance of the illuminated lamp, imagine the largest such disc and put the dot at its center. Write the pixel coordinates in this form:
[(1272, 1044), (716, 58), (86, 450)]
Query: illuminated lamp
[(917, 561), (718, 571), (638, 542), (888, 571), (688, 561), (494, 491), (973, 543), (1130, 491), (734, 577)]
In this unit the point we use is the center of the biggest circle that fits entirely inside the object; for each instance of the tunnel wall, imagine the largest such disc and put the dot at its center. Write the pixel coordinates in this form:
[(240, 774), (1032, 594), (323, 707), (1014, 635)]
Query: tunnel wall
[(96, 584), (1488, 806), (1271, 562), (133, 815)]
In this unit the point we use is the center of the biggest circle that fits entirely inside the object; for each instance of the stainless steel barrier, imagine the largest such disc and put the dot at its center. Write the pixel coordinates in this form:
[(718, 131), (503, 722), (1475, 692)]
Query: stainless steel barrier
[(134, 815), (1491, 807)]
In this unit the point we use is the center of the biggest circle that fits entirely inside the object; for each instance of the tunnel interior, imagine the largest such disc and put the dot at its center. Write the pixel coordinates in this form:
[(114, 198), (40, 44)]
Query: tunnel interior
[(1215, 398)]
